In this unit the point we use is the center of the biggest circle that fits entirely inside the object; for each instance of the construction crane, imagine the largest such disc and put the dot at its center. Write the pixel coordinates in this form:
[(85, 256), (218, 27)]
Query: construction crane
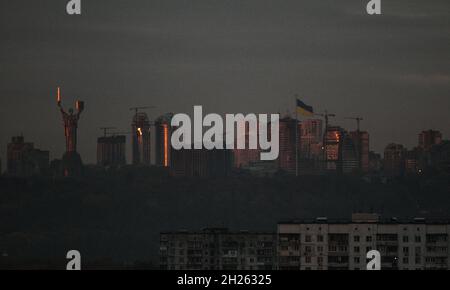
[(327, 117), (136, 109), (358, 120), (119, 133), (105, 130)]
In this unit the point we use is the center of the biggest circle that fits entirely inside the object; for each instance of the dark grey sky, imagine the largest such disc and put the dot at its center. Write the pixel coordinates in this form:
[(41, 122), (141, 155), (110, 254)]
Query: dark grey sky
[(227, 55)]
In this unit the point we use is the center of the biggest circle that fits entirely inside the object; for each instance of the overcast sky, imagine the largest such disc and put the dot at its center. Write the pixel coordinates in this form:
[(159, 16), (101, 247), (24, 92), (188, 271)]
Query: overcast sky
[(227, 55)]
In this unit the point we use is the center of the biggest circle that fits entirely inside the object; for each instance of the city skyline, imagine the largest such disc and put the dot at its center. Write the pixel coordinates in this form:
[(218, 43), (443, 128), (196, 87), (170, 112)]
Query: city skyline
[(249, 57), (152, 136)]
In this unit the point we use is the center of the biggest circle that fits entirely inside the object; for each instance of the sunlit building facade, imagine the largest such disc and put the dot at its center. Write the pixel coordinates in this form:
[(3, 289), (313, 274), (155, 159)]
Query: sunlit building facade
[(163, 134), (141, 143)]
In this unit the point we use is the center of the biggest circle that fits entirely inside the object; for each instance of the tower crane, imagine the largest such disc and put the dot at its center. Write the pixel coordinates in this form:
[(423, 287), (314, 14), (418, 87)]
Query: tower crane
[(357, 119), (106, 129), (136, 109), (327, 117)]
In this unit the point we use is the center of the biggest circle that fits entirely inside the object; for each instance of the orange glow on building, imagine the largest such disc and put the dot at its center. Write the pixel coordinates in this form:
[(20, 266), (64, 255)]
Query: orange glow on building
[(166, 145), (58, 97)]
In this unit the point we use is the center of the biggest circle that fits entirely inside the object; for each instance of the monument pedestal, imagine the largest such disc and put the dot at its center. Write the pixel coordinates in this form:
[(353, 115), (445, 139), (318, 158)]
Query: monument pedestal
[(72, 164)]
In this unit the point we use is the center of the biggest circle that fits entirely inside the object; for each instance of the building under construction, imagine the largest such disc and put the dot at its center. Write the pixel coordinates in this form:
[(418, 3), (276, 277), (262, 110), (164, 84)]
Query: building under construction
[(361, 142), (201, 162), (341, 155), (163, 133), (287, 155), (111, 151), (141, 143)]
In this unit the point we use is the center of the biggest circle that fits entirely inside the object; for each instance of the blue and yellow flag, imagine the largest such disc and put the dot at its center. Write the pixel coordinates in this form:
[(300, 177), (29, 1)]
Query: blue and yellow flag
[(304, 109)]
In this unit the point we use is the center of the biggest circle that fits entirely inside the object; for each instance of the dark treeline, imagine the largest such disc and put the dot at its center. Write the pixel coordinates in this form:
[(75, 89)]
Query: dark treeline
[(114, 218)]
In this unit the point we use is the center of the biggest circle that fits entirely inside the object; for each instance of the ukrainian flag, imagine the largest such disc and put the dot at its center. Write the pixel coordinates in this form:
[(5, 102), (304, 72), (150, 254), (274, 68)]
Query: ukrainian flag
[(304, 109)]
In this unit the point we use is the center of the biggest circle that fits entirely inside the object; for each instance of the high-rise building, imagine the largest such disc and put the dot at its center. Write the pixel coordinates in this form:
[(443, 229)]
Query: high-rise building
[(333, 138), (375, 162), (361, 142), (340, 151), (163, 134), (217, 249), (201, 162), (24, 160), (439, 158), (324, 244), (429, 138), (349, 161), (111, 151), (287, 156), (244, 158), (140, 130), (394, 160), (412, 158), (311, 137)]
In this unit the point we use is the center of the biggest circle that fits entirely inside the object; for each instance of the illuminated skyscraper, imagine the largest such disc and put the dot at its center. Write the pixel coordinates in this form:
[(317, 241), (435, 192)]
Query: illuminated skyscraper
[(340, 151), (140, 130), (311, 135), (163, 133), (333, 137)]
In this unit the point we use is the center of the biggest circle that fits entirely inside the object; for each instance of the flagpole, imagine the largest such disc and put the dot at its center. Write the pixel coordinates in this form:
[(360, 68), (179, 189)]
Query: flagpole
[(296, 138)]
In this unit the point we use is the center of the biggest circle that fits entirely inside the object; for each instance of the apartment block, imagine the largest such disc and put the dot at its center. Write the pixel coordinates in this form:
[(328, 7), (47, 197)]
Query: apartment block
[(217, 249), (322, 244)]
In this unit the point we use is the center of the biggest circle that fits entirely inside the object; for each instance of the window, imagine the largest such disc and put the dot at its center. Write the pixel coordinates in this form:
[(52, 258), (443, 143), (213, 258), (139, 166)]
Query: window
[(417, 260), (319, 238), (308, 239), (356, 239), (320, 260), (405, 250), (356, 259), (369, 239), (319, 249), (356, 249), (405, 260), (308, 260), (368, 249), (405, 239), (417, 239)]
